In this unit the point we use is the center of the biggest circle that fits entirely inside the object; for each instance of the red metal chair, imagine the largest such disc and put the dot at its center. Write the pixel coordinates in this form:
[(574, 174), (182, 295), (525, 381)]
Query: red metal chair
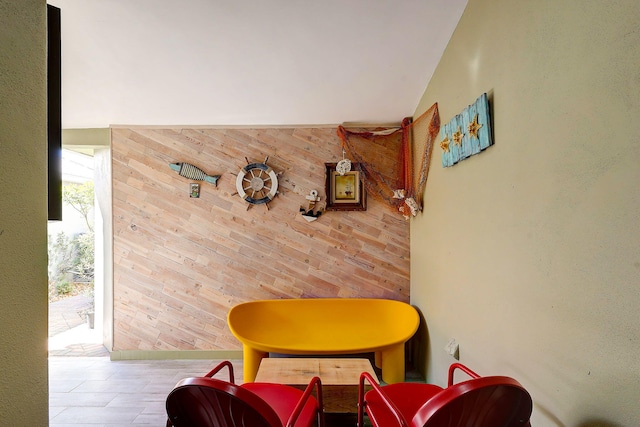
[(210, 402), (479, 402)]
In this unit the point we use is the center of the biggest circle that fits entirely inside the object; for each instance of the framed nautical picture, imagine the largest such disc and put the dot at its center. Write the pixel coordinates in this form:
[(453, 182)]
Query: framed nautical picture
[(345, 192)]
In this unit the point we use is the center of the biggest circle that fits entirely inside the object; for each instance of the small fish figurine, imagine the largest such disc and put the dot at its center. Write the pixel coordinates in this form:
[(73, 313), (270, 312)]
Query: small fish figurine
[(192, 172)]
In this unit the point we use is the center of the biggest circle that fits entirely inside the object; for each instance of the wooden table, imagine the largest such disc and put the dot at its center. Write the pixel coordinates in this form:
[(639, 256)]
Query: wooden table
[(339, 378)]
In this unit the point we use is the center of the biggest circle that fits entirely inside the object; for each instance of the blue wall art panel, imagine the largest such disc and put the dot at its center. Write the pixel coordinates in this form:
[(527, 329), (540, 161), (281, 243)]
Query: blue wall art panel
[(466, 134)]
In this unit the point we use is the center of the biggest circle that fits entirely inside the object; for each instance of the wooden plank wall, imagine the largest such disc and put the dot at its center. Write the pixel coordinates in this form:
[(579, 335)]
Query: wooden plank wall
[(180, 263)]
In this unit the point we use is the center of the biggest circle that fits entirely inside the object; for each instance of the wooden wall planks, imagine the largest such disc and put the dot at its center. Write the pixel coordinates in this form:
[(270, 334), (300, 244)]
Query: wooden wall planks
[(181, 263)]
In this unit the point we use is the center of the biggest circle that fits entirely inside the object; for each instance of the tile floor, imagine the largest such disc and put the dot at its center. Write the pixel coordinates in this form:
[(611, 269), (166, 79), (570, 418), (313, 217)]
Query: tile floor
[(87, 389), (95, 391), (98, 392)]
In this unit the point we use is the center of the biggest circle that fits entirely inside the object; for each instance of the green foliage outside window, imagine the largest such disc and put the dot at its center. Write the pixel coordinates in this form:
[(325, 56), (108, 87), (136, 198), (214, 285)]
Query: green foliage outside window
[(71, 259)]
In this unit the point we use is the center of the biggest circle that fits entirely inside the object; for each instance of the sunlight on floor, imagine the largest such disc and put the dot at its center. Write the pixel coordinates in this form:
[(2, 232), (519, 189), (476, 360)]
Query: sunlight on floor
[(78, 334)]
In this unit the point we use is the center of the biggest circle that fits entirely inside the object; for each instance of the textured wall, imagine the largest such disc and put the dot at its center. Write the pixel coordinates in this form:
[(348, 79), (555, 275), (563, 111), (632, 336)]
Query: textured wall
[(531, 255), (23, 213), (181, 263)]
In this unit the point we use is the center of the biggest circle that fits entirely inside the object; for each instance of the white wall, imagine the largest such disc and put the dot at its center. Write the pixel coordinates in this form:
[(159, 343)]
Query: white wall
[(104, 246), (23, 214), (529, 253)]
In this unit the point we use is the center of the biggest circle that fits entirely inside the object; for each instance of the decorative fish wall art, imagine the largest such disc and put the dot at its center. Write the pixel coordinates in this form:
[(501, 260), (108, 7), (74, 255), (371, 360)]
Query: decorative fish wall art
[(192, 172), (466, 134)]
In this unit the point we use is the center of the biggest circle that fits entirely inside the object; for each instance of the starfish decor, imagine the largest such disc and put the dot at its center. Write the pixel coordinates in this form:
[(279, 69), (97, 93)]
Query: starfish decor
[(474, 127), (468, 131), (444, 144), (457, 137)]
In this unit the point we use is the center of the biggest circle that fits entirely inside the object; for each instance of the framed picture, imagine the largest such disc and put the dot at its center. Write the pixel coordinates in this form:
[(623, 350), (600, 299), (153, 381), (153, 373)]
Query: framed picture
[(345, 192), (194, 190)]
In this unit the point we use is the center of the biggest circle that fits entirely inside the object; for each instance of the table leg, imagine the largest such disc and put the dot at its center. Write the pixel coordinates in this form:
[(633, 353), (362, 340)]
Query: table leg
[(251, 362), (393, 364)]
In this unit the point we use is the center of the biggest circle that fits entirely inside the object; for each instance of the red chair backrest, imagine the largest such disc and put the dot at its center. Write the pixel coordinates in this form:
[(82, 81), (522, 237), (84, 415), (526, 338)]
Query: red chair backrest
[(207, 402), (480, 402)]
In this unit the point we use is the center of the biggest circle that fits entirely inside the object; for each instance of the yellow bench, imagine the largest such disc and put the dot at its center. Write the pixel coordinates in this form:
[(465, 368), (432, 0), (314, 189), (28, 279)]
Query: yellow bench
[(323, 326)]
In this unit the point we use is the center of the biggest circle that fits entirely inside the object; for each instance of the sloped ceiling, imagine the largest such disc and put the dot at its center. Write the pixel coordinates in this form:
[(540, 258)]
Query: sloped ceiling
[(249, 62)]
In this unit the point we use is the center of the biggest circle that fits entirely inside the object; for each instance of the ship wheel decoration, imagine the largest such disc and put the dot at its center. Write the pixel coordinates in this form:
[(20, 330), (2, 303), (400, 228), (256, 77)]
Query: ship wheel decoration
[(257, 183)]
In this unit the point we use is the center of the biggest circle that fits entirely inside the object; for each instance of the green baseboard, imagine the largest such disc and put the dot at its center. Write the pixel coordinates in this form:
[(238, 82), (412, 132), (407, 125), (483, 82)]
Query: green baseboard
[(175, 354)]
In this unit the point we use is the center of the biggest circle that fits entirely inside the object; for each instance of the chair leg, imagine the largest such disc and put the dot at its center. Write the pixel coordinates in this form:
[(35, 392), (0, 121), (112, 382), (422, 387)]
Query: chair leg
[(393, 364), (360, 422), (251, 360), (378, 359), (361, 403)]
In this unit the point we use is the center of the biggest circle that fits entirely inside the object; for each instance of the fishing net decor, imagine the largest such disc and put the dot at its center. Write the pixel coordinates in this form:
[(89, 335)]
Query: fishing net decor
[(389, 180)]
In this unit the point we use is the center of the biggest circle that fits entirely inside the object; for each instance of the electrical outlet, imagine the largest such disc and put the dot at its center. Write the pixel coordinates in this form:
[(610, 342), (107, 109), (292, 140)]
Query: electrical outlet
[(453, 348)]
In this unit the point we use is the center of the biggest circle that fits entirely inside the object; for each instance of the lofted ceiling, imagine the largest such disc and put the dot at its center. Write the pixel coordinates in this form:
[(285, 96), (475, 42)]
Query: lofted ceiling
[(248, 62)]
